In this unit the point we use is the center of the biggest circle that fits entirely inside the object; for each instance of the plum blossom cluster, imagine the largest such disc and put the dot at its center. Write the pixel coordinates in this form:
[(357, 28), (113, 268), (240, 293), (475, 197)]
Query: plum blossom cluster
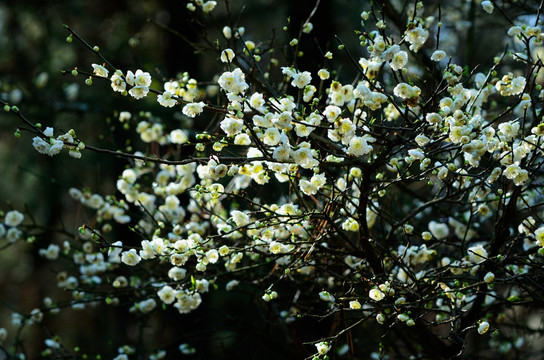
[(10, 228), (49, 145), (394, 197), (138, 85), (206, 6)]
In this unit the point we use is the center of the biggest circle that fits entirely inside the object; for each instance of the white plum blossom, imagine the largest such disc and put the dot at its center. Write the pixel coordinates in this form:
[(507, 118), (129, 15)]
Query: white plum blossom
[(355, 305), (240, 218), (146, 306), (539, 236), (227, 55), (51, 253), (332, 112), (508, 130), (13, 234), (227, 32), (509, 86), (178, 136), (117, 82), (399, 60), (326, 296), (312, 186), (301, 79), (484, 325), (439, 230), (140, 82), (140, 78), (489, 277), (514, 31), (13, 218), (323, 347), (114, 252), (350, 224), (177, 273), (130, 257), (165, 99), (167, 294), (208, 6), (323, 74), (271, 136), (40, 145), (256, 101), (99, 70), (376, 295), (276, 247), (487, 6), (307, 27), (124, 116), (288, 71), (422, 140), (212, 256), (187, 302), (233, 82), (232, 126), (416, 37), (358, 146), (139, 92), (231, 285), (406, 91), (477, 254), (52, 343), (52, 148), (438, 55), (193, 109)]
